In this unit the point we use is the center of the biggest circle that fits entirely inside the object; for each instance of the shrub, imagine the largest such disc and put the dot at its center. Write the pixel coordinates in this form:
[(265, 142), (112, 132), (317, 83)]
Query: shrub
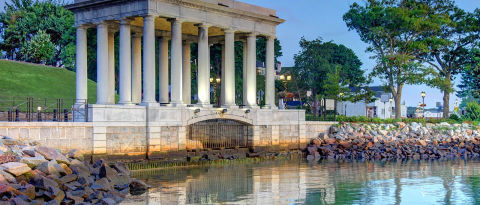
[(454, 117), (472, 111)]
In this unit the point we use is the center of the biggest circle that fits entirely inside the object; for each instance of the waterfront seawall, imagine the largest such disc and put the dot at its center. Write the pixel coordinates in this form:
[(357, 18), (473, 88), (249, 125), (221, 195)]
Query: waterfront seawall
[(130, 142)]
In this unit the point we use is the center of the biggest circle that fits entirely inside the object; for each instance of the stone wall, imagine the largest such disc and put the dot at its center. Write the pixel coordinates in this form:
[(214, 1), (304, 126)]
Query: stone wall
[(61, 135), (314, 128), (132, 139)]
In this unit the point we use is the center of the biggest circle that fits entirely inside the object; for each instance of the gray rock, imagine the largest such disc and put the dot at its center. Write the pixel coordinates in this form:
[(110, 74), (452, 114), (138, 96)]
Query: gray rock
[(33, 161), (54, 154), (16, 168)]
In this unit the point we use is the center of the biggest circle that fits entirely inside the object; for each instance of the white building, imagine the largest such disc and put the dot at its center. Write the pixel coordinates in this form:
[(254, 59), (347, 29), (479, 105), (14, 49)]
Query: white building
[(381, 107)]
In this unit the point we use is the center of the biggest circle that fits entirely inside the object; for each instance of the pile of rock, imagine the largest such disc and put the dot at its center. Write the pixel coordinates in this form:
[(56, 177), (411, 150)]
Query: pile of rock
[(32, 174), (397, 141)]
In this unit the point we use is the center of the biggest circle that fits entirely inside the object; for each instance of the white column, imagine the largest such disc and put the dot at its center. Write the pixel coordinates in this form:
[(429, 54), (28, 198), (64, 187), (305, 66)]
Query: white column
[(176, 64), (137, 68), (222, 83), (244, 76), (203, 80), (269, 73), (81, 65), (229, 76), (187, 76), (163, 70), (111, 67), (149, 60), (125, 63), (102, 64), (251, 71)]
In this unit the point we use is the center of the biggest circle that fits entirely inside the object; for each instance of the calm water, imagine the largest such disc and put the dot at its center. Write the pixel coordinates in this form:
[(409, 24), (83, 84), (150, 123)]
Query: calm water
[(299, 182)]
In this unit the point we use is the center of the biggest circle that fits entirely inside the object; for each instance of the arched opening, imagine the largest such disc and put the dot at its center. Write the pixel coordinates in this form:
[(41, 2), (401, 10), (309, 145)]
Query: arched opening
[(219, 134)]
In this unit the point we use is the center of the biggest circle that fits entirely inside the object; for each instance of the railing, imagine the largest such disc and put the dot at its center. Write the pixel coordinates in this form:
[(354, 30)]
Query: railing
[(31, 109), (218, 134)]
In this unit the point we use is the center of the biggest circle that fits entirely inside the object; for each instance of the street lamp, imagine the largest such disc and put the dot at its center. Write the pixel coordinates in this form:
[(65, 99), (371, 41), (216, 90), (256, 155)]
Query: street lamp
[(391, 107), (345, 105), (423, 103), (215, 82), (285, 79)]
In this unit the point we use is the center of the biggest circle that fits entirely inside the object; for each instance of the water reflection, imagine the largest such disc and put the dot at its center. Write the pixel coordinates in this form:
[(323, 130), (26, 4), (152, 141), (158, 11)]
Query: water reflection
[(298, 182)]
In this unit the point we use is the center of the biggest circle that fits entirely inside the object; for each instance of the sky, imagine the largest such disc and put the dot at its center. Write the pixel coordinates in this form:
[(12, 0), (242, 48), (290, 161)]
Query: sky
[(323, 19)]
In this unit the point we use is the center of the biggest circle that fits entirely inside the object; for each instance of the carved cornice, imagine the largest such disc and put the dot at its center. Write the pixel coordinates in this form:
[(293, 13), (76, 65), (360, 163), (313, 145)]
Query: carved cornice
[(195, 4)]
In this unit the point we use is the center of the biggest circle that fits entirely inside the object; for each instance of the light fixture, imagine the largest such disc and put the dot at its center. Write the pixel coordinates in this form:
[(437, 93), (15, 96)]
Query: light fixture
[(224, 110), (390, 100), (39, 108), (218, 80), (196, 110), (282, 77), (211, 80), (289, 78), (423, 94), (247, 111)]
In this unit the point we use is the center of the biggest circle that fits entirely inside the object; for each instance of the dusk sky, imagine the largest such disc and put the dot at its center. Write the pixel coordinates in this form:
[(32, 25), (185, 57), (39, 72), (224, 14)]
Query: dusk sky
[(323, 18)]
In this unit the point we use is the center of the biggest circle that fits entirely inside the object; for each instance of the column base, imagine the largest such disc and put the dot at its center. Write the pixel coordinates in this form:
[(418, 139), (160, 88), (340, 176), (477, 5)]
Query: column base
[(127, 103), (230, 106), (149, 104), (251, 106), (204, 105), (270, 107), (176, 105)]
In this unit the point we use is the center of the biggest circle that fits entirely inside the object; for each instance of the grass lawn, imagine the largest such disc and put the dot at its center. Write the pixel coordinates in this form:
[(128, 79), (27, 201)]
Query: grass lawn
[(21, 80)]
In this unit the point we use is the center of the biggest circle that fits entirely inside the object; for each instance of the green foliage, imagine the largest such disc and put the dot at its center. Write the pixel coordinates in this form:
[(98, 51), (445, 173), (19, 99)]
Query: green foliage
[(393, 30), (472, 111), (39, 48), (448, 47), (23, 19), (470, 85), (326, 68), (454, 117), (363, 119)]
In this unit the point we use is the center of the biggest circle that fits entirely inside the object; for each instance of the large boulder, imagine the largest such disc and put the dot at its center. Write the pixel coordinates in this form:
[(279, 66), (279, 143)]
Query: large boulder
[(54, 154), (16, 168), (33, 161)]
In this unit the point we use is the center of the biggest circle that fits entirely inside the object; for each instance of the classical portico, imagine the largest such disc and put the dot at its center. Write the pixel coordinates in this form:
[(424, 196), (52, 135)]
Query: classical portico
[(172, 26)]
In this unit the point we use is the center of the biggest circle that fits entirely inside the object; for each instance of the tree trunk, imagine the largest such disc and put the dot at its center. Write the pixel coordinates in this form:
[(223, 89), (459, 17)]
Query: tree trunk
[(446, 97), (398, 102)]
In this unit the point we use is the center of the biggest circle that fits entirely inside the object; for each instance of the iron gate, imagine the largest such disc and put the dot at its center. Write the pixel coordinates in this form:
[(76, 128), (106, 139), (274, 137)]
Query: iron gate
[(218, 134)]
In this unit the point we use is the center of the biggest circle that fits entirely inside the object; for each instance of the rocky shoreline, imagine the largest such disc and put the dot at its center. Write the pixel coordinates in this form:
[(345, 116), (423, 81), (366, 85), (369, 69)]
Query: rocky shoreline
[(31, 174), (399, 141)]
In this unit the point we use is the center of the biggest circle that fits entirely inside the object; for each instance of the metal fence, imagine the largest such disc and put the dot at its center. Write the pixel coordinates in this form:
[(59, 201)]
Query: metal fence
[(35, 109), (219, 133)]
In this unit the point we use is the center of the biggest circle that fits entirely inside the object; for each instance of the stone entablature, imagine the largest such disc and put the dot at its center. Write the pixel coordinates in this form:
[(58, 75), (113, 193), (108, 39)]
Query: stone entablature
[(220, 13)]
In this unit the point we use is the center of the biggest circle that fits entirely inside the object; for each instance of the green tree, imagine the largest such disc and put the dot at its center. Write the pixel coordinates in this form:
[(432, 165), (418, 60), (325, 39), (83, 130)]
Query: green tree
[(326, 69), (392, 28), (448, 47), (470, 85), (22, 19), (39, 49)]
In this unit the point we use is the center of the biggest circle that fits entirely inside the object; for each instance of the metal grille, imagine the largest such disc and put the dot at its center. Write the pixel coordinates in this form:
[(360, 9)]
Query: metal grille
[(217, 134)]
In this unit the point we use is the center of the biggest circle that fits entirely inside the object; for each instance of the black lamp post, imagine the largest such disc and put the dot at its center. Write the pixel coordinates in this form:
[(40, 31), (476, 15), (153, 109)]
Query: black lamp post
[(423, 103)]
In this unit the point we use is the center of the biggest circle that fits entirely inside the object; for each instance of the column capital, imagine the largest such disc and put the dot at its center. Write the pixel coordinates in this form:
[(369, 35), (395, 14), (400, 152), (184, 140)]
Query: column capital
[(148, 17), (203, 25), (126, 21), (229, 30), (137, 35), (178, 20), (252, 35)]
